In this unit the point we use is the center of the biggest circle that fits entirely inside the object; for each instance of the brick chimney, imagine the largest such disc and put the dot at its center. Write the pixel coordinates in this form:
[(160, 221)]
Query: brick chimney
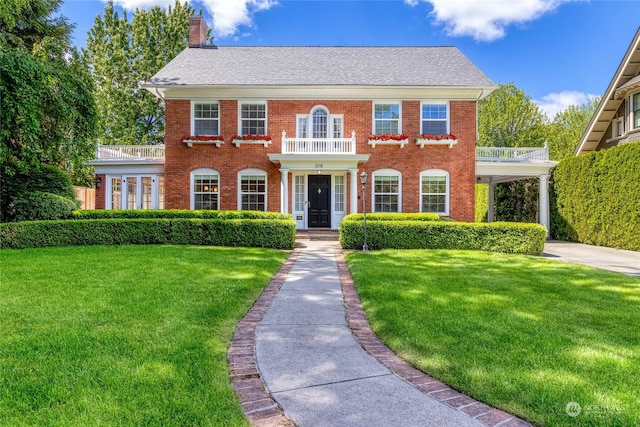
[(197, 31)]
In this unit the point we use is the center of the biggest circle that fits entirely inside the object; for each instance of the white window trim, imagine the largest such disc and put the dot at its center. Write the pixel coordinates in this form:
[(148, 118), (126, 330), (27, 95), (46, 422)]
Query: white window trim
[(436, 102), (437, 172), (201, 171), (193, 115), (253, 102), (266, 186), (385, 172), (632, 122), (373, 114)]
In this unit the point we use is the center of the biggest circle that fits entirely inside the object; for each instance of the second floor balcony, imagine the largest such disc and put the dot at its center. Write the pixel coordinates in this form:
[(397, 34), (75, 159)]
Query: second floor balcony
[(318, 145)]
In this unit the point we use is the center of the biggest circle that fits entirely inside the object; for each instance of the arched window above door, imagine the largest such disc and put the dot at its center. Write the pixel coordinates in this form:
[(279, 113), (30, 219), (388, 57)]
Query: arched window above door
[(319, 123)]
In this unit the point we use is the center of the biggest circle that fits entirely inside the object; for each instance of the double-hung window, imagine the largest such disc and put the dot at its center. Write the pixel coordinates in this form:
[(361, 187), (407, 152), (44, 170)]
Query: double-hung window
[(635, 106), (205, 192), (434, 191), (253, 190), (253, 119), (387, 184), (206, 118), (434, 119), (386, 119)]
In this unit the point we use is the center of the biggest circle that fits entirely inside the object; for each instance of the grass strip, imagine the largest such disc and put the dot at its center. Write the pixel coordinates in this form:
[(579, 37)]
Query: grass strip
[(124, 335), (525, 334)]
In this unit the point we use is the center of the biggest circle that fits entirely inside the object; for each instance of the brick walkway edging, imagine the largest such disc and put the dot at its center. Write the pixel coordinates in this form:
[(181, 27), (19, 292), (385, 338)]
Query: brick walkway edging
[(263, 411), (258, 405), (359, 325)]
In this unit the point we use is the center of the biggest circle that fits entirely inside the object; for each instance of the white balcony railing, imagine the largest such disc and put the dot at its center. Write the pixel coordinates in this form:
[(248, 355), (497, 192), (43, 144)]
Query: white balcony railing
[(318, 145), (512, 154), (130, 152)]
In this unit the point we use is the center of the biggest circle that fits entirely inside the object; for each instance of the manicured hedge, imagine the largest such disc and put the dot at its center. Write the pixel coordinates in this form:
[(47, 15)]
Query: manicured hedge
[(394, 217), (177, 213), (494, 237), (595, 198), (267, 233)]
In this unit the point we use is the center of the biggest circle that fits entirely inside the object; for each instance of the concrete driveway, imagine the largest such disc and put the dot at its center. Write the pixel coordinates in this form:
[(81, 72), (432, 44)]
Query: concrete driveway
[(618, 260)]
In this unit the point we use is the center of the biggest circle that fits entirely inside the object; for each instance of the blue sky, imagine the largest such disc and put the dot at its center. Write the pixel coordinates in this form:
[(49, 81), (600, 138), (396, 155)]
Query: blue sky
[(560, 52)]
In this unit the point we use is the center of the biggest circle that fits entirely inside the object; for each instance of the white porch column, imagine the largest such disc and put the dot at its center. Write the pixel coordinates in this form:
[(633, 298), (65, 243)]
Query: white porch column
[(353, 203), (284, 190), (543, 199), (491, 202)]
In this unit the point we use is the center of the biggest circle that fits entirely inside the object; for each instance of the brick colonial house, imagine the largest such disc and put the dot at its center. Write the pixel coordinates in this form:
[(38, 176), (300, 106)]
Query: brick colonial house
[(318, 117)]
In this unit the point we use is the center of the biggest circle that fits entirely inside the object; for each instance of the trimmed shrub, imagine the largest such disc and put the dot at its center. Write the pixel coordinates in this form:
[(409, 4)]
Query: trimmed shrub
[(493, 237), (18, 182), (40, 205), (177, 213), (278, 234), (595, 198), (394, 217)]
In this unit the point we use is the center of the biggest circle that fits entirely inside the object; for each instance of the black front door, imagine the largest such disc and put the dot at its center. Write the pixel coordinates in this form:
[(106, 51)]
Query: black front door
[(319, 200)]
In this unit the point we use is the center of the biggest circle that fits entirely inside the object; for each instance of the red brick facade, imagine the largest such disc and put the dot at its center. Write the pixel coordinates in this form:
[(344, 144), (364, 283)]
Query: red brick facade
[(410, 160)]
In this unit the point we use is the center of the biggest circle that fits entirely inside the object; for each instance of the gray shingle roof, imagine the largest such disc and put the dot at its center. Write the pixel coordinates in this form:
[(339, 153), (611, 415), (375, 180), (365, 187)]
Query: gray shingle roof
[(331, 66)]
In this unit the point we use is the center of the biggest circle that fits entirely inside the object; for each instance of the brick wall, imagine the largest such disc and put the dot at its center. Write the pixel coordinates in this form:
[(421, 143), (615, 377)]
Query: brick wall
[(228, 160)]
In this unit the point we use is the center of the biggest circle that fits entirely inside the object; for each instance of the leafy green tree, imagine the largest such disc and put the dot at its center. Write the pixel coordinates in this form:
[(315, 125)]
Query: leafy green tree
[(46, 92), (509, 118), (122, 54), (567, 127)]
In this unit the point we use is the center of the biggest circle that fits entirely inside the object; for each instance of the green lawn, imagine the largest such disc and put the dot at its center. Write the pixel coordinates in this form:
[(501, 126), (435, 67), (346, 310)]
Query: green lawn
[(525, 334), (124, 335)]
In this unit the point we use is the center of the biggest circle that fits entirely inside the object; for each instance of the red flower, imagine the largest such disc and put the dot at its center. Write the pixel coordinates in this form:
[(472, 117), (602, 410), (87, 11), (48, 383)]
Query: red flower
[(389, 137), (202, 138), (437, 137), (252, 137)]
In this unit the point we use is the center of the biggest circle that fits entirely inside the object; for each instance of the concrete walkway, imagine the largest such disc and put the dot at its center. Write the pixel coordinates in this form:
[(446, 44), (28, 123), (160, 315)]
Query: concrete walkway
[(618, 260), (317, 363)]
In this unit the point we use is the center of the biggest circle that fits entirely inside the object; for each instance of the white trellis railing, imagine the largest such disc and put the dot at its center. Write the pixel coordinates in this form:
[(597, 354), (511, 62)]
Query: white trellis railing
[(318, 145), (130, 152), (512, 154)]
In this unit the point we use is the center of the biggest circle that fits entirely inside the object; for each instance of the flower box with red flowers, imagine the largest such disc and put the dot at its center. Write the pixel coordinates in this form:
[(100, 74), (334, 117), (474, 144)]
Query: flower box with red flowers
[(202, 139), (400, 139), (251, 139), (443, 139)]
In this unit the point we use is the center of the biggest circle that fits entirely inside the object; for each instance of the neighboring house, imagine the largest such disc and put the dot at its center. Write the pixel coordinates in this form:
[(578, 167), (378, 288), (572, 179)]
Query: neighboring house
[(318, 117), (617, 117)]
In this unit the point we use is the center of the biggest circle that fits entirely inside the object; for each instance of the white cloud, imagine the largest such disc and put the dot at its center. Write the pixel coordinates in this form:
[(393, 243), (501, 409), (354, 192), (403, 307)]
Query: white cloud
[(486, 20), (228, 15), (556, 102)]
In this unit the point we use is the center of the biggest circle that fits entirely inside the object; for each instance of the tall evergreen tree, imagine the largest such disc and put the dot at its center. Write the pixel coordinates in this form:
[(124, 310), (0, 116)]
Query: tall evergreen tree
[(46, 92), (122, 54)]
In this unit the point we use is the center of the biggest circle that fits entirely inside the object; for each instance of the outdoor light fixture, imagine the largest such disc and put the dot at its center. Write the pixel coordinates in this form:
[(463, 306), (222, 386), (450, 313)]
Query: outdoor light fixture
[(363, 180), (98, 182)]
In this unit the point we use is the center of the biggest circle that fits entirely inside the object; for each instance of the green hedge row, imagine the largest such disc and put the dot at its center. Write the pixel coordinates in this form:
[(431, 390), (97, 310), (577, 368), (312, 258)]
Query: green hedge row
[(394, 217), (595, 198), (493, 237), (279, 234), (176, 213)]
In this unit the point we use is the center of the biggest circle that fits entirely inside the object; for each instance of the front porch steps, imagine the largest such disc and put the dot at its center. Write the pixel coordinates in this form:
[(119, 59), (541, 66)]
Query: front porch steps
[(317, 234)]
